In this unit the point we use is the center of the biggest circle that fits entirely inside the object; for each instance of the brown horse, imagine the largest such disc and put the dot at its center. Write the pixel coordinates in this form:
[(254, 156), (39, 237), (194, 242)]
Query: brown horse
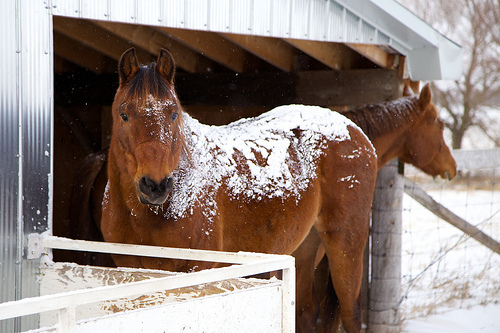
[(257, 184), (407, 128), (389, 130)]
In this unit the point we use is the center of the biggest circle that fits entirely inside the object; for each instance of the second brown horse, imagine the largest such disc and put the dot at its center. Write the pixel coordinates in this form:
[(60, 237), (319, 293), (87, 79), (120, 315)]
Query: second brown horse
[(407, 128)]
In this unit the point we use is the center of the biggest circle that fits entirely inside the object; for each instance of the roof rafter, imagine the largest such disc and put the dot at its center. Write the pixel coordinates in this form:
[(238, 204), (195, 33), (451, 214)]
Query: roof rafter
[(71, 50), (272, 50), (152, 40), (375, 54), (334, 55), (96, 38), (214, 47)]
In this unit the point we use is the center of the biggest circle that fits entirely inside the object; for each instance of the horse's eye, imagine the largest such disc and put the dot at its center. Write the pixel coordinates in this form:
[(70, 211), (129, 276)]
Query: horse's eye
[(124, 116), (173, 116)]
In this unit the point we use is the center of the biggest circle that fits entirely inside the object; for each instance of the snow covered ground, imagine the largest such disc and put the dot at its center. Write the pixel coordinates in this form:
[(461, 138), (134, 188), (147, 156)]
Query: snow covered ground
[(451, 283), (478, 319)]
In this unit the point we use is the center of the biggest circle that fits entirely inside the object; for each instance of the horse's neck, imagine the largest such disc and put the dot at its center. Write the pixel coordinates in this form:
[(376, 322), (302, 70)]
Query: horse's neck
[(387, 126), (389, 146)]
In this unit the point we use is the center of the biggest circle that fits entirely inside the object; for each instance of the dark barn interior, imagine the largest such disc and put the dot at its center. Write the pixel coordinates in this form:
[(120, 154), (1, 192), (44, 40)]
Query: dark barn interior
[(220, 78)]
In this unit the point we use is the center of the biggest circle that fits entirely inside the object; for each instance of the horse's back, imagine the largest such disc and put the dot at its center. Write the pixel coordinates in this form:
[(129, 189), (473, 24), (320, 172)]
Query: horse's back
[(328, 161)]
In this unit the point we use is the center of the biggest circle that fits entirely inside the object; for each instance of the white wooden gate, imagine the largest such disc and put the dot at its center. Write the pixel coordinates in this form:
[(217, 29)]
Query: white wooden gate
[(154, 301)]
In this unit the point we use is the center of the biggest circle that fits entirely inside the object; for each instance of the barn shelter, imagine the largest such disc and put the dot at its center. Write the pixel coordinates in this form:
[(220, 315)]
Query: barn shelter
[(235, 59)]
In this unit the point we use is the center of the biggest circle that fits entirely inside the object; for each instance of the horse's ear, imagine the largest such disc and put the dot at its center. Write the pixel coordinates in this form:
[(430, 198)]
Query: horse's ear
[(407, 91), (128, 67), (425, 96), (165, 65)]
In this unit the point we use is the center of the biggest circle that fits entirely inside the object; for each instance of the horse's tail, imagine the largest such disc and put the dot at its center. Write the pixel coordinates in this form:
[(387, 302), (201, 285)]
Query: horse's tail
[(329, 316), (84, 213)]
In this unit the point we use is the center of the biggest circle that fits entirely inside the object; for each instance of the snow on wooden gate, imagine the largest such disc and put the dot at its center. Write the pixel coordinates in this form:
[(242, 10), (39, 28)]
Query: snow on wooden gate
[(137, 300)]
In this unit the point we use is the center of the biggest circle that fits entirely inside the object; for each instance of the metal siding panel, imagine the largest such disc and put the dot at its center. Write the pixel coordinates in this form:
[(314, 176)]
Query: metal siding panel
[(335, 23), (196, 14), (418, 58), (383, 39), (351, 28), (95, 10), (450, 61), (172, 13), (262, 17), (150, 14), (66, 8), (368, 33), (326, 20), (299, 19), (36, 95), (9, 180), (280, 18), (123, 10), (320, 20), (219, 15), (242, 13), (35, 98), (398, 22)]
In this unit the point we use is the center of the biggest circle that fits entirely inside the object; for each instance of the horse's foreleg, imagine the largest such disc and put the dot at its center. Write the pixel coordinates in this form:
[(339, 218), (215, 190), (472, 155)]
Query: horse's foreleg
[(307, 304)]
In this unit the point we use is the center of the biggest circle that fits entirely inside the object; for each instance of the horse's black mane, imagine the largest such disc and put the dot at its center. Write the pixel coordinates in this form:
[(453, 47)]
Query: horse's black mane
[(379, 118)]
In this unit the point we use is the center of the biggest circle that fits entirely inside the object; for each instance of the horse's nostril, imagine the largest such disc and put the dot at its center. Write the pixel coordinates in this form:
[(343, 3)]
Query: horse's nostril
[(147, 185), (150, 187), (163, 184), (169, 183)]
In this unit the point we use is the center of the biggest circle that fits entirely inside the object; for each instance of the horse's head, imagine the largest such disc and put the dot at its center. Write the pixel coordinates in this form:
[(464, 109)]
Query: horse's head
[(426, 148), (147, 137)]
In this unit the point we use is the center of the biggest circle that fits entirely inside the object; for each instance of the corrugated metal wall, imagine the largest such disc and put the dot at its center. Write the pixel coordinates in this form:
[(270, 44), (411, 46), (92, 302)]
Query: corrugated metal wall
[(9, 148), (324, 20), (430, 55), (26, 94)]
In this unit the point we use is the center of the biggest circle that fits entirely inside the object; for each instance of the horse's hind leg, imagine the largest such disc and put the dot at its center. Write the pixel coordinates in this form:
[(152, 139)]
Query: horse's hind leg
[(307, 304), (329, 317), (343, 225), (344, 249)]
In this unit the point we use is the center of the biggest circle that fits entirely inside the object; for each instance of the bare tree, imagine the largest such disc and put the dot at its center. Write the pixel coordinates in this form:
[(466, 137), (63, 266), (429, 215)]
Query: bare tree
[(474, 25)]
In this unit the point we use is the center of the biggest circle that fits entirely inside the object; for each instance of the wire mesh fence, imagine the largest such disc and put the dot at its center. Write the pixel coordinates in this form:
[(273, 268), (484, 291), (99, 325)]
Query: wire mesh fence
[(442, 268)]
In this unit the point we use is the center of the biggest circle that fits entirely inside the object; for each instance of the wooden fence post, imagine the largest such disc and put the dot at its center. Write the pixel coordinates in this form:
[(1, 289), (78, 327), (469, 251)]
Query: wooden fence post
[(385, 286)]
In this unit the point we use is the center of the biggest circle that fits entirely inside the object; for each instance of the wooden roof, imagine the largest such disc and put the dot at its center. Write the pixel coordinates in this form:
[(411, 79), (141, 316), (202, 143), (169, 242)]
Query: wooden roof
[(246, 60), (97, 44)]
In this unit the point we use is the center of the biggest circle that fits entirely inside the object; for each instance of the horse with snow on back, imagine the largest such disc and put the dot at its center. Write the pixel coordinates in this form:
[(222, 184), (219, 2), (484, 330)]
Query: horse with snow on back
[(258, 184), (407, 128)]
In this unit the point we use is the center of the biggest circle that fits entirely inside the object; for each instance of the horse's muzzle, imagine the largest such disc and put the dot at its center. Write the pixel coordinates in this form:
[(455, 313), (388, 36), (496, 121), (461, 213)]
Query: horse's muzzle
[(153, 193)]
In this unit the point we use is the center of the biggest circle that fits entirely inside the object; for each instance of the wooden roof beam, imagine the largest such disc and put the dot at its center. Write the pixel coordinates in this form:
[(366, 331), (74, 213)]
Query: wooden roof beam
[(214, 47), (334, 55), (97, 38), (151, 40), (272, 50), (375, 54), (81, 55), (270, 89)]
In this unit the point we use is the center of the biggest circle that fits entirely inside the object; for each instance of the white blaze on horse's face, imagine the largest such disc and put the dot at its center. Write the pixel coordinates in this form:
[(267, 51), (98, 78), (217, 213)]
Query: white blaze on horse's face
[(156, 118), (157, 153), (147, 125), (152, 139)]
